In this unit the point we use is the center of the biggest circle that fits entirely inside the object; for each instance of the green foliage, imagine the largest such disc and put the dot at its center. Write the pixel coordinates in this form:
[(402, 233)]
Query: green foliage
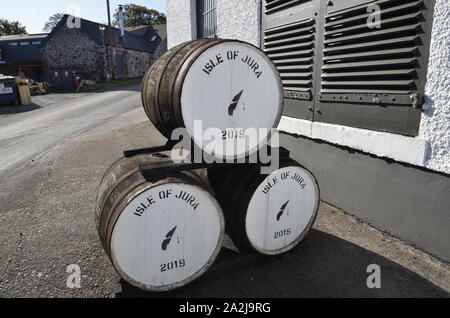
[(136, 15), (52, 22), (11, 28)]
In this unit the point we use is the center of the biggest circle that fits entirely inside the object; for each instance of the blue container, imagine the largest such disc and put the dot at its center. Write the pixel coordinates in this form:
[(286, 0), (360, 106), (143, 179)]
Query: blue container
[(8, 90)]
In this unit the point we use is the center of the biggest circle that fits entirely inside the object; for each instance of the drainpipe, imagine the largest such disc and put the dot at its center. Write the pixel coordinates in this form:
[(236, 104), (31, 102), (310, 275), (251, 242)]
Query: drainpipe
[(121, 21), (110, 49), (260, 23)]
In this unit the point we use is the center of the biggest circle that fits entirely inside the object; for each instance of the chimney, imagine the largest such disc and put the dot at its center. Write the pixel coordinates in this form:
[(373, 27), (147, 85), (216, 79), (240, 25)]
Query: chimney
[(121, 21)]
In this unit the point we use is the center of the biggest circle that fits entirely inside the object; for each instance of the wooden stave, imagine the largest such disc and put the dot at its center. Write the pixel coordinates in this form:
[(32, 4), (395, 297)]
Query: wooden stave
[(163, 107), (169, 78), (108, 180), (235, 206), (153, 87), (144, 87), (150, 96), (234, 178), (115, 174), (241, 188), (151, 112), (220, 177)]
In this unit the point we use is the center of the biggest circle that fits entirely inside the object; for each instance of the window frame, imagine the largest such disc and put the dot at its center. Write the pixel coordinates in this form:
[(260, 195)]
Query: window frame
[(385, 117), (206, 11)]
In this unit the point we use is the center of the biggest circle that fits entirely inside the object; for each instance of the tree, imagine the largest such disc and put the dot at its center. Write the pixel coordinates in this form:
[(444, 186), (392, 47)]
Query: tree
[(11, 28), (136, 15), (52, 22)]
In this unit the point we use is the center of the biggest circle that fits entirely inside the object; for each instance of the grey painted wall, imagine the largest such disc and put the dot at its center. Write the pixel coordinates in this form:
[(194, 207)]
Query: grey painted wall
[(411, 203)]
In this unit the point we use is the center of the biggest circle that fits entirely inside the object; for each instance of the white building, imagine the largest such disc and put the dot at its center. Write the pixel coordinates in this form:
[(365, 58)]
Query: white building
[(367, 106)]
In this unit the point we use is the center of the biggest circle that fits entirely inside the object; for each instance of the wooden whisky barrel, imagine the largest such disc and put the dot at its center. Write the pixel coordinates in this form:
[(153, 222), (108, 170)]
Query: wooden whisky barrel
[(222, 91), (160, 233), (268, 214)]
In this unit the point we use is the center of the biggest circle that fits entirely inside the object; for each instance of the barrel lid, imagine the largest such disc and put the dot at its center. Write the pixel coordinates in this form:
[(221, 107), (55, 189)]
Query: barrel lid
[(282, 210), (231, 98), (167, 236)]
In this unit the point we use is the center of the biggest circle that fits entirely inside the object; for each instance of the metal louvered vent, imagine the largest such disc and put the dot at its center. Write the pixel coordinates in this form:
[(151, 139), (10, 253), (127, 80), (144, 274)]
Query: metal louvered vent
[(275, 5), (374, 65), (291, 48)]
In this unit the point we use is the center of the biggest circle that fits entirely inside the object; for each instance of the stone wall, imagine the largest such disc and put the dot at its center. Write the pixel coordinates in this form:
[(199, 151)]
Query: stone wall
[(137, 63), (71, 49), (161, 50)]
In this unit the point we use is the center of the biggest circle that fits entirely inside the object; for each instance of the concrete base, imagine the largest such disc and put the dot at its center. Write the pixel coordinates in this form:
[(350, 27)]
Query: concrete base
[(410, 203)]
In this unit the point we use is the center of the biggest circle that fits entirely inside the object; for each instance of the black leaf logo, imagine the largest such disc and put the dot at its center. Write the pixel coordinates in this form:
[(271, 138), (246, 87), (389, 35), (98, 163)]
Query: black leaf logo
[(282, 210), (235, 103), (168, 239)]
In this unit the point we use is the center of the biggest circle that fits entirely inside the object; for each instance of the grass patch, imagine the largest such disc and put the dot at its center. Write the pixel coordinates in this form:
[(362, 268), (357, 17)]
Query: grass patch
[(112, 84)]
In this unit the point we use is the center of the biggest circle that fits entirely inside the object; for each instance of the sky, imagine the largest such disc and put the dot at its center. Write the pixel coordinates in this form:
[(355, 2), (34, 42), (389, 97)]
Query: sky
[(34, 14)]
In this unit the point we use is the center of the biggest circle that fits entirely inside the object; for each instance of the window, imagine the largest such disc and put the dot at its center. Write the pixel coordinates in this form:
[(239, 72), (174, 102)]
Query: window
[(339, 67), (36, 42), (24, 43), (12, 44), (206, 19), (153, 39)]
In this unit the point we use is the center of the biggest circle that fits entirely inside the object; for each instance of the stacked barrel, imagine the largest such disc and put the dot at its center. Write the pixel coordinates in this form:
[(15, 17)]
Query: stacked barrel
[(163, 231), (269, 214), (160, 233), (228, 86)]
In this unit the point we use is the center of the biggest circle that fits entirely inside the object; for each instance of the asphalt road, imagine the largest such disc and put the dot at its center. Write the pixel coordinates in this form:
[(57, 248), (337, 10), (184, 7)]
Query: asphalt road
[(26, 136), (52, 159)]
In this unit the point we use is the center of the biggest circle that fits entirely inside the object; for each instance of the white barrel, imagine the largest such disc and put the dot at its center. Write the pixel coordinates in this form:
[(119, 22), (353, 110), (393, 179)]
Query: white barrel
[(227, 94), (160, 234), (269, 214)]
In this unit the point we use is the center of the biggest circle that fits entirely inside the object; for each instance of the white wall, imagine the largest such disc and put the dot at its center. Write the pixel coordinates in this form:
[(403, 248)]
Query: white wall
[(181, 22), (435, 125), (235, 20), (241, 20)]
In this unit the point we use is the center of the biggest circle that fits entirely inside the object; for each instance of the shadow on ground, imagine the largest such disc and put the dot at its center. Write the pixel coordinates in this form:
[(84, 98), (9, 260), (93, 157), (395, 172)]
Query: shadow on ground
[(323, 266), (9, 110), (134, 87)]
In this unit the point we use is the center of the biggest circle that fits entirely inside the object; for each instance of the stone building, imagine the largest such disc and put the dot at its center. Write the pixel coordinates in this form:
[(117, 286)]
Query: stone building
[(81, 47)]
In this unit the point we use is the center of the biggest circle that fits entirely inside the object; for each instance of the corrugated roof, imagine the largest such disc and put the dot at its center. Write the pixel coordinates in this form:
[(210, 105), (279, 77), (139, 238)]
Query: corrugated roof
[(23, 37)]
